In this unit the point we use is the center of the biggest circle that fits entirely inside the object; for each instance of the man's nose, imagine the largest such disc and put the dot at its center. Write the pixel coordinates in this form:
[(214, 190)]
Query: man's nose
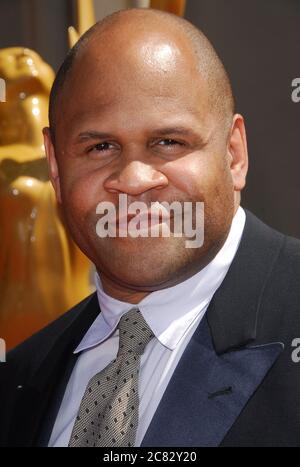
[(135, 178)]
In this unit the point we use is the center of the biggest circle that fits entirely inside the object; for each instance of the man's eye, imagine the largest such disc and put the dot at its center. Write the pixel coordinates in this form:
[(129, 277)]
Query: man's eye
[(169, 142), (101, 147)]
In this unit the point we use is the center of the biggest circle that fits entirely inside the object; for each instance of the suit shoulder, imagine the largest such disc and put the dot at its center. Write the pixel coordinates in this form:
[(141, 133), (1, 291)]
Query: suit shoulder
[(291, 248), (287, 247), (281, 297), (288, 260), (45, 336)]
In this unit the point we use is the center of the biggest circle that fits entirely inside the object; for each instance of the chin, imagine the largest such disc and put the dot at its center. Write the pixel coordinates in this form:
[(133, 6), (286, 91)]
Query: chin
[(146, 273)]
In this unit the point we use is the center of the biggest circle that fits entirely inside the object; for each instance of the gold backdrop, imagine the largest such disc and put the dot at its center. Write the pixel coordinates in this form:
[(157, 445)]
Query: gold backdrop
[(42, 272)]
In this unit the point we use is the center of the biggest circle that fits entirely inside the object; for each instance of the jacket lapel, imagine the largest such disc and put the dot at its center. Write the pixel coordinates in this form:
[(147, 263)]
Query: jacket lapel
[(208, 392), (228, 357)]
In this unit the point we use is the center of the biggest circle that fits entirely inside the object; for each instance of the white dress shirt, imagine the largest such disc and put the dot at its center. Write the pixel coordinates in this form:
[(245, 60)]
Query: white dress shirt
[(173, 315)]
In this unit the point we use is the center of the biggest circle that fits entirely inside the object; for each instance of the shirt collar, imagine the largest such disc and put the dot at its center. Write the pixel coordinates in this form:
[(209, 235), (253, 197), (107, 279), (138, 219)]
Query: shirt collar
[(169, 312)]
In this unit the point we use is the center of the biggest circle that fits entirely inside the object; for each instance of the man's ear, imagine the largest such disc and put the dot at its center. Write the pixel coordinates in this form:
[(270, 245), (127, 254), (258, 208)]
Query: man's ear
[(52, 162), (238, 152)]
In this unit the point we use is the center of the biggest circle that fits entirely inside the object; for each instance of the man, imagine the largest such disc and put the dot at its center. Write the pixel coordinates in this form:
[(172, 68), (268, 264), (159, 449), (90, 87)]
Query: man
[(143, 107)]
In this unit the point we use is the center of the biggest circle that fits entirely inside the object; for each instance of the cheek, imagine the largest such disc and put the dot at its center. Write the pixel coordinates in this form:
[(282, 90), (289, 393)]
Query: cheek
[(80, 194), (199, 174)]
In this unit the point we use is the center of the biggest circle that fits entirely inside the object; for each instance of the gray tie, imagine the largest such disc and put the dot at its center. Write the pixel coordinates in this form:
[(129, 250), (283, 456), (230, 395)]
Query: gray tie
[(109, 410)]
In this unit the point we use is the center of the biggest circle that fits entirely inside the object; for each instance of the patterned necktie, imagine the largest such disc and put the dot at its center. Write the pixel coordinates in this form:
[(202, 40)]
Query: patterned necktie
[(108, 414)]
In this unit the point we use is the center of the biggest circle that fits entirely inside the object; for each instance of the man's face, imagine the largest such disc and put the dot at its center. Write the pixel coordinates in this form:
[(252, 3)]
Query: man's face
[(138, 122)]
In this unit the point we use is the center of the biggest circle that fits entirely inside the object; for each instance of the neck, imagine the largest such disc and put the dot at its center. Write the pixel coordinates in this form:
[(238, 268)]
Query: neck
[(124, 293), (120, 292)]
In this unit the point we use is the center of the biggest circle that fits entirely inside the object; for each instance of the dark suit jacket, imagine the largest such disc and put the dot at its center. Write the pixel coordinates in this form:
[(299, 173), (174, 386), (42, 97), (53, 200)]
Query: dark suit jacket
[(236, 383)]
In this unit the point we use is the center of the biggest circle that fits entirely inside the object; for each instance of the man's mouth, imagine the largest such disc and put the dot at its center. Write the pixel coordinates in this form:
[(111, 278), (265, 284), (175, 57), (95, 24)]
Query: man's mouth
[(143, 220)]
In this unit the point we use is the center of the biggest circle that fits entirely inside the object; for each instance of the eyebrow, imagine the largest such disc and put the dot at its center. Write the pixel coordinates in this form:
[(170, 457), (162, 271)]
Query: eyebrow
[(92, 135), (176, 130)]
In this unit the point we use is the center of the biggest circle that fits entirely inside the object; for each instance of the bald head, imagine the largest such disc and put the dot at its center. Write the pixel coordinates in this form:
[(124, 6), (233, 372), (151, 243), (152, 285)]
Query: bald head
[(158, 39)]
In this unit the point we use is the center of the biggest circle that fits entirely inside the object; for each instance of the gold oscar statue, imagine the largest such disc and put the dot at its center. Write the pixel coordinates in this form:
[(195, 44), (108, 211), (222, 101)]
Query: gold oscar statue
[(86, 13), (172, 6), (42, 272), (85, 19)]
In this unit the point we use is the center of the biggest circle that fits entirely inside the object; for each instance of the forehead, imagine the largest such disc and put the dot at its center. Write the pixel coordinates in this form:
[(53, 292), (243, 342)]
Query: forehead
[(151, 60), (146, 78)]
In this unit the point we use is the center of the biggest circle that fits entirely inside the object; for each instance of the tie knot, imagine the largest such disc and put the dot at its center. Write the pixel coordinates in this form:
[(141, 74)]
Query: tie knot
[(134, 333)]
